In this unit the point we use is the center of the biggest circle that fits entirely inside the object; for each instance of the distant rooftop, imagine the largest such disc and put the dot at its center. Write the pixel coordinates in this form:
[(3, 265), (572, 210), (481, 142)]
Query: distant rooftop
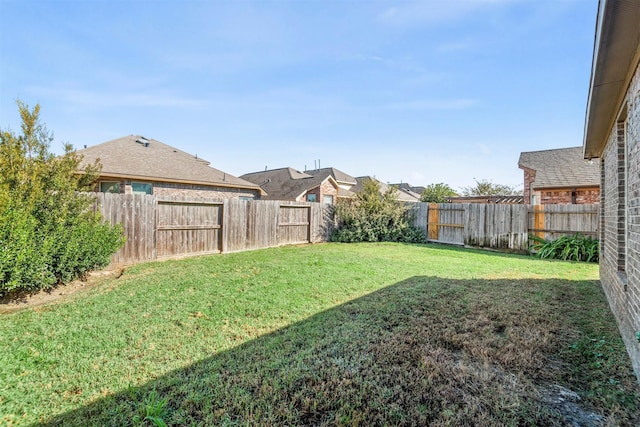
[(138, 157), (338, 175), (285, 183), (402, 195)]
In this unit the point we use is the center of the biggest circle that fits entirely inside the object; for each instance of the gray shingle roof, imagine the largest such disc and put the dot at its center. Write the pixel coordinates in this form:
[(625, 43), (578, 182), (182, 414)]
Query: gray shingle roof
[(285, 183), (338, 175), (562, 167), (405, 186), (143, 158), (402, 195)]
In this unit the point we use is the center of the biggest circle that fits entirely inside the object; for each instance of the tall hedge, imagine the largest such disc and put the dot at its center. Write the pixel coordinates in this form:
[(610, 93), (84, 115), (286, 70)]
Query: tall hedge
[(49, 233), (375, 217)]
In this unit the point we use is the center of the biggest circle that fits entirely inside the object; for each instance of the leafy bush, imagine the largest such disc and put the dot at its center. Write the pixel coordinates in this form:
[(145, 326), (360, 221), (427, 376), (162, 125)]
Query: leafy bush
[(569, 248), (374, 217), (437, 193), (49, 233)]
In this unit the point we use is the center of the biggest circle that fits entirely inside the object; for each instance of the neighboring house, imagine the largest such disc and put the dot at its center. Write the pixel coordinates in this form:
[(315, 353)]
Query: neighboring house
[(135, 164), (410, 188), (345, 181), (612, 134), (402, 196), (509, 200), (293, 185), (560, 176), (413, 192)]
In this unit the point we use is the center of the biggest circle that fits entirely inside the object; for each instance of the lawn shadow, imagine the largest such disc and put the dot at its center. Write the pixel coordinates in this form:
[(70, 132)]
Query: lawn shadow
[(424, 351)]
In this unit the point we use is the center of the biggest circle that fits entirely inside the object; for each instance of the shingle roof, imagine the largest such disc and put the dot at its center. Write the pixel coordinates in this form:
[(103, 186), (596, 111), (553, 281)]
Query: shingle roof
[(402, 195), (405, 186), (562, 167), (338, 175), (143, 158), (285, 183)]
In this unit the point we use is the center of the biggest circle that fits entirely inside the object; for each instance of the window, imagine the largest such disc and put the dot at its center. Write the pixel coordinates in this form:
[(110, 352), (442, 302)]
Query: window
[(109, 187), (327, 200), (312, 198), (246, 198), (141, 188)]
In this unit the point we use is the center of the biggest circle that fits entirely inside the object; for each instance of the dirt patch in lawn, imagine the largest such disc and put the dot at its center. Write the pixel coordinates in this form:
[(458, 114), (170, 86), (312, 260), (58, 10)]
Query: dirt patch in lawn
[(14, 302)]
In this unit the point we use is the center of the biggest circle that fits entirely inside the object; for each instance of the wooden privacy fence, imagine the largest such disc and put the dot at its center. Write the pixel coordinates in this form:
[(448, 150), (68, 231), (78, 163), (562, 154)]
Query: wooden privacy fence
[(159, 228), (502, 226)]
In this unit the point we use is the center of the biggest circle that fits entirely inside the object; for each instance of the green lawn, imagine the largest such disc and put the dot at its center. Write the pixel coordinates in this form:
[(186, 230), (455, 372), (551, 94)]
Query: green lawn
[(330, 334)]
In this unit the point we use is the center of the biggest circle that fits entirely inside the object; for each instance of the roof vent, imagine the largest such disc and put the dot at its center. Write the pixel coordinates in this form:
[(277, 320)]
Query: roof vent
[(142, 140)]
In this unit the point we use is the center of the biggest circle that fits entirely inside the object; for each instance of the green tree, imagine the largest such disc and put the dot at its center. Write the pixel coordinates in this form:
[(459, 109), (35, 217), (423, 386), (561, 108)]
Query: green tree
[(49, 233), (437, 193), (484, 187), (374, 216)]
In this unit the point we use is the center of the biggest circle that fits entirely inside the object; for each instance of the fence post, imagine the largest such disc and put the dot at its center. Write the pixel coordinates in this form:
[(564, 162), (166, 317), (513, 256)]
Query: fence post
[(538, 220), (309, 215), (223, 225), (432, 221)]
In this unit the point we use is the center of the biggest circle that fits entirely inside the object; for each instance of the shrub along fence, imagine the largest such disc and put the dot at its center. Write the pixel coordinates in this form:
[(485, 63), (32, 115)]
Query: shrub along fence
[(158, 228), (504, 227)]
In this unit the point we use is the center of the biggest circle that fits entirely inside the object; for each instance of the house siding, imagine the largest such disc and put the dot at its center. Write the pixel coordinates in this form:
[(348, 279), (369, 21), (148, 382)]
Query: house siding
[(557, 196), (170, 189), (620, 220), (529, 178), (189, 190), (568, 196)]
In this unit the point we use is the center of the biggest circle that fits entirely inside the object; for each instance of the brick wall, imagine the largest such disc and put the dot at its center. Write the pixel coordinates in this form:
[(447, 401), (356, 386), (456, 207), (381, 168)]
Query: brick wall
[(325, 189), (568, 196), (620, 220), (199, 191), (529, 178)]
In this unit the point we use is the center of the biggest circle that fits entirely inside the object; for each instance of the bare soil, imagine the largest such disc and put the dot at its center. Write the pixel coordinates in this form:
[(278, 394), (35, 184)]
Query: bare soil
[(13, 303)]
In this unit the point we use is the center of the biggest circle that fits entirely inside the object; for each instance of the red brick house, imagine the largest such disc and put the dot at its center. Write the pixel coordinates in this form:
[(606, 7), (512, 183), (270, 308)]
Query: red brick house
[(292, 185), (135, 164), (560, 176), (344, 180), (612, 135)]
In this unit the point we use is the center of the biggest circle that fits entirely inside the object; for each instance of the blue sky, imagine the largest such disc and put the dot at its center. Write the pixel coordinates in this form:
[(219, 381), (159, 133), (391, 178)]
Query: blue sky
[(420, 92)]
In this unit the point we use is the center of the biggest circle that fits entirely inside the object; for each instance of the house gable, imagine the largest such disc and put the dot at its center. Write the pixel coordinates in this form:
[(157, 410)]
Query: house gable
[(344, 180)]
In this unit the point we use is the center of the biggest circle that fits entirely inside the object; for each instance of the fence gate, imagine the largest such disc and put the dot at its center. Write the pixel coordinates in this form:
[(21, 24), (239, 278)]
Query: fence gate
[(445, 223), (188, 227), (294, 224)]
